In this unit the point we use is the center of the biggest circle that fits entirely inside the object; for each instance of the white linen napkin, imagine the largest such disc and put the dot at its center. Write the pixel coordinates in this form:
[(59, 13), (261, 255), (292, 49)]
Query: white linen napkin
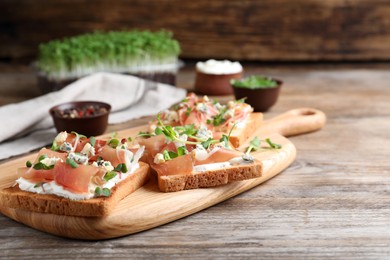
[(130, 97)]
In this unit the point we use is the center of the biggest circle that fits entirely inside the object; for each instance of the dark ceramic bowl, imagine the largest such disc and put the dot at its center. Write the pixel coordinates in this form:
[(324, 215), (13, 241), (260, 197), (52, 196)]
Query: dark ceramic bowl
[(260, 99), (88, 125)]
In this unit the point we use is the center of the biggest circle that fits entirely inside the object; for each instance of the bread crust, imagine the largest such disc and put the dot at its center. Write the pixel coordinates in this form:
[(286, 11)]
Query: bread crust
[(178, 182), (14, 197), (240, 135)]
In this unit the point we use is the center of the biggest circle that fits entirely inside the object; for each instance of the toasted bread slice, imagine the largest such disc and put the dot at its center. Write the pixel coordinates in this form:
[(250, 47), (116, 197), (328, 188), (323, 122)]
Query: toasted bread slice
[(242, 132), (212, 178), (16, 198)]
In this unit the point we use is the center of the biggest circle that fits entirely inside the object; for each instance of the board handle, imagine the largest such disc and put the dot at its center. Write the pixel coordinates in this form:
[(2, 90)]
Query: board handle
[(294, 122)]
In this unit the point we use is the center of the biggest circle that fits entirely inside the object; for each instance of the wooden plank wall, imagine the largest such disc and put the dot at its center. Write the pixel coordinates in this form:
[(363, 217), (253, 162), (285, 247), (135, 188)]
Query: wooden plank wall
[(261, 30)]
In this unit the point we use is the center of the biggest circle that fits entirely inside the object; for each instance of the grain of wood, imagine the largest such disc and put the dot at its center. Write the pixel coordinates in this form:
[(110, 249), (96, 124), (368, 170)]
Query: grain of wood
[(271, 30), (332, 202)]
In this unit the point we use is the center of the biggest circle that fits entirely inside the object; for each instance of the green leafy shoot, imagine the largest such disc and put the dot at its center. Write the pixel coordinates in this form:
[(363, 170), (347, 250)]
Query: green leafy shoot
[(219, 119), (182, 150), (189, 130), (42, 166), (39, 184), (188, 111), (92, 140), (72, 163), (273, 145), (121, 168), (105, 192), (241, 100), (158, 131), (78, 135), (55, 146), (129, 139), (169, 132), (42, 157), (225, 138), (99, 160), (113, 142), (113, 50), (254, 145), (254, 82), (28, 164), (169, 155), (206, 144), (145, 134), (113, 135), (109, 175)]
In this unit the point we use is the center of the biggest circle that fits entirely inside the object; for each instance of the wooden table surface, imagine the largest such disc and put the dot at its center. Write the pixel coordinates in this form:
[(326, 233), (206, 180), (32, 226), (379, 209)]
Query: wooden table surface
[(333, 201)]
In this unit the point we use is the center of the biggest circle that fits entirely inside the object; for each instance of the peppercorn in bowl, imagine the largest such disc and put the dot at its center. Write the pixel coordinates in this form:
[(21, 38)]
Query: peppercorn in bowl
[(89, 118)]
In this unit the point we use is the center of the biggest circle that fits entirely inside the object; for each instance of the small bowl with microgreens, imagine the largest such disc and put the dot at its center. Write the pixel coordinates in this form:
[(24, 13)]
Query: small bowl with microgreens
[(85, 117), (261, 92)]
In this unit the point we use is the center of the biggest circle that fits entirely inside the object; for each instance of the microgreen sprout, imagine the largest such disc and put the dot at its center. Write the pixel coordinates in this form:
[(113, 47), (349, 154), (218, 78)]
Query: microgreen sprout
[(273, 145), (121, 168), (254, 82), (102, 192), (71, 162), (109, 175), (28, 164), (111, 51), (254, 145), (169, 132), (145, 134), (78, 135), (92, 140), (113, 142)]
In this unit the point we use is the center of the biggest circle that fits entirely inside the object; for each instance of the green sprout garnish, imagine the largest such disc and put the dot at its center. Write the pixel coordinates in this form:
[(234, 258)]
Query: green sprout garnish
[(219, 119), (28, 164), (39, 184), (145, 134), (254, 82), (182, 150), (92, 140), (121, 168), (109, 175), (225, 138), (42, 166), (55, 146), (42, 157), (113, 142), (72, 163), (206, 144), (273, 145), (254, 145), (169, 132), (188, 111), (78, 135), (105, 192)]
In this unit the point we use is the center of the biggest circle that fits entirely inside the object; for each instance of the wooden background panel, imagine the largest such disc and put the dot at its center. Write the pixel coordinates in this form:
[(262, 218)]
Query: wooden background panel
[(267, 30)]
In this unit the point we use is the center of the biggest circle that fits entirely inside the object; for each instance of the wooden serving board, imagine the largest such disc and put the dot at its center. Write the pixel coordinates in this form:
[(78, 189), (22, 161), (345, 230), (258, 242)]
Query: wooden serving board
[(148, 207)]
